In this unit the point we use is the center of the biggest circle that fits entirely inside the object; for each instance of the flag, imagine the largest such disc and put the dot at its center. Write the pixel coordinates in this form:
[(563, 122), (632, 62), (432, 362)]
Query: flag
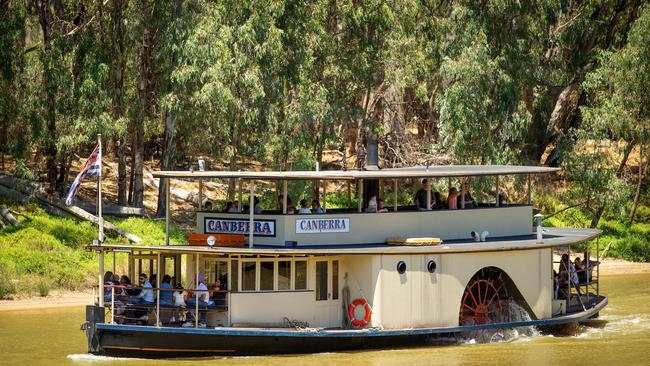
[(92, 168)]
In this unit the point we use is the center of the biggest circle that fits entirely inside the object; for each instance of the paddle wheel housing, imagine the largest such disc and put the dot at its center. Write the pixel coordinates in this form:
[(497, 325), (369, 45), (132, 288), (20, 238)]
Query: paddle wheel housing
[(485, 297)]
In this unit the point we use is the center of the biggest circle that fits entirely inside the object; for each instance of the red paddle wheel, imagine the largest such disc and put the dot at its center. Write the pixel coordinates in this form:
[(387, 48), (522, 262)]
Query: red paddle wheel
[(483, 299)]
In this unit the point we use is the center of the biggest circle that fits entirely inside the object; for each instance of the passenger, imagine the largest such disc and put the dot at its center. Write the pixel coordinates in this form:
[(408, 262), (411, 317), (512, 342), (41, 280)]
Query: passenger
[(108, 281), (438, 203), (469, 201), (258, 208), (452, 198), (303, 207), (129, 290), (234, 208), (166, 291), (581, 270), (372, 204), (208, 206), (203, 300), (421, 197), (380, 206), (289, 203), (146, 296), (179, 302), (315, 207), (556, 285), (589, 264), (229, 205)]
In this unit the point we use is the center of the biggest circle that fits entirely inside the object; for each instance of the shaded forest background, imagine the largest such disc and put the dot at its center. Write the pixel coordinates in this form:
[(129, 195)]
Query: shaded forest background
[(283, 83)]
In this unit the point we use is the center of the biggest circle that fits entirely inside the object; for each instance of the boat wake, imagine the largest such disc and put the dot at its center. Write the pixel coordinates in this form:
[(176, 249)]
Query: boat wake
[(612, 324), (86, 357), (513, 312)]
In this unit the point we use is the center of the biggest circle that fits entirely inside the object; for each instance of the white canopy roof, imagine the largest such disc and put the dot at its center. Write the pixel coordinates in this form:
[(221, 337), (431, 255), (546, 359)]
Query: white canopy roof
[(410, 172)]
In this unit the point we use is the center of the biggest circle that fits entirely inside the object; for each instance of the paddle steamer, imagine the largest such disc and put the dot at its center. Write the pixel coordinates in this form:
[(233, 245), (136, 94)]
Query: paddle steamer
[(347, 279)]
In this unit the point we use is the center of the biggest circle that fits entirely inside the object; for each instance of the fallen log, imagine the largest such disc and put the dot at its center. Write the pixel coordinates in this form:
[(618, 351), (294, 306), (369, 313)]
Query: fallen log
[(111, 210), (59, 209), (77, 211), (4, 212)]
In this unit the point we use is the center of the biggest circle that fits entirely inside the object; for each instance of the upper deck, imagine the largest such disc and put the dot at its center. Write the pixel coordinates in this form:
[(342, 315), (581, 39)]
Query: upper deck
[(354, 228)]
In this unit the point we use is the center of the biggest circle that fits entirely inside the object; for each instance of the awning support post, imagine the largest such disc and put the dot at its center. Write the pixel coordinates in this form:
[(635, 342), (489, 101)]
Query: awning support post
[(324, 205), (360, 194), (462, 192), (167, 183), (196, 292), (284, 196), (497, 189), (251, 213), (530, 199), (428, 188), (101, 278), (158, 322), (200, 194), (395, 193), (241, 195)]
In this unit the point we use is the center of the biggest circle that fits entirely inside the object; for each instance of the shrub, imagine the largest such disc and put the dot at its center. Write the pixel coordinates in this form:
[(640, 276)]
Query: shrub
[(43, 288)]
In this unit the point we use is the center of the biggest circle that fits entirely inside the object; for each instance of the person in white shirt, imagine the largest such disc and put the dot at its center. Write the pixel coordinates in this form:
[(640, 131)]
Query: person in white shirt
[(204, 301), (303, 207), (372, 203)]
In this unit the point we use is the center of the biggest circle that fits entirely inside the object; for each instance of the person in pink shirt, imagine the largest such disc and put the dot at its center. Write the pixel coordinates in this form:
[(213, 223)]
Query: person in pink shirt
[(452, 198)]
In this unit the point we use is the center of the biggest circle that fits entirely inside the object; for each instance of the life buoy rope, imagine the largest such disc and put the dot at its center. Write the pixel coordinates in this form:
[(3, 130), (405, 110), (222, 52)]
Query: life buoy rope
[(368, 313)]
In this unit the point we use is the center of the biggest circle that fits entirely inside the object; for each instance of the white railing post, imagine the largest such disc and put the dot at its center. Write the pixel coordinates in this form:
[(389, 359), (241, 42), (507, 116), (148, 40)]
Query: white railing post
[(112, 305)]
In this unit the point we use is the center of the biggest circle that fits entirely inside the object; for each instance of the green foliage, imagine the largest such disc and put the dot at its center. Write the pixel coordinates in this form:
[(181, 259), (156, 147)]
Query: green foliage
[(43, 288), (152, 232)]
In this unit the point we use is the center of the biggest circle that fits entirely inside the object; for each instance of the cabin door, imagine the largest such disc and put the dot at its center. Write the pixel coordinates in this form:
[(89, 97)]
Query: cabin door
[(328, 297)]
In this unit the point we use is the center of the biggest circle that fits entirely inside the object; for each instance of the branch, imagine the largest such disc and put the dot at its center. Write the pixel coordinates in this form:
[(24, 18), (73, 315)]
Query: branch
[(566, 208)]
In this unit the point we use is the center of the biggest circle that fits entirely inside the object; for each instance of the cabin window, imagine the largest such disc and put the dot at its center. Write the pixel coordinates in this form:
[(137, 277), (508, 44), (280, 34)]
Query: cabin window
[(249, 272), (321, 280), (301, 275), (266, 276), (284, 275), (217, 271), (234, 279), (335, 280)]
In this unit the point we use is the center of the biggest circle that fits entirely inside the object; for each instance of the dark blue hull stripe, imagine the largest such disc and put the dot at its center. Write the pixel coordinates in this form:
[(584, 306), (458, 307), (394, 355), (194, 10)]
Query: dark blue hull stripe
[(262, 332)]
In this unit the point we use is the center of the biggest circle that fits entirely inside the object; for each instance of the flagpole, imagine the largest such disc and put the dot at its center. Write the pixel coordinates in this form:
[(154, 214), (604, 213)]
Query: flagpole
[(99, 191)]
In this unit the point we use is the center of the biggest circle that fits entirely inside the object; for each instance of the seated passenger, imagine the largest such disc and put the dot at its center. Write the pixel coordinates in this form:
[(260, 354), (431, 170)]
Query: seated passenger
[(581, 270), (145, 296), (380, 206), (208, 205), (303, 207), (469, 201), (179, 296), (438, 203), (452, 198), (315, 207), (372, 204), (290, 207), (421, 197), (229, 205), (589, 264), (257, 207), (234, 208), (203, 296), (108, 281), (165, 291)]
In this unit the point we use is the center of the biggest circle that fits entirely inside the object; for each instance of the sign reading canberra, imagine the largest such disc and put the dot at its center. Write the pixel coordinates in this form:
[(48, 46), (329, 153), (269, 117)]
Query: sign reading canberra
[(219, 225), (323, 226)]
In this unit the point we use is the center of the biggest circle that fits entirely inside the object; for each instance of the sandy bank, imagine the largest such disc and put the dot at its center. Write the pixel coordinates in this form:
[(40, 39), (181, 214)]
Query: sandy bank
[(56, 299)]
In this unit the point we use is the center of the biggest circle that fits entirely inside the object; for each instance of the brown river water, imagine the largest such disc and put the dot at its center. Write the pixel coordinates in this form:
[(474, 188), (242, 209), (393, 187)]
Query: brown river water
[(52, 337)]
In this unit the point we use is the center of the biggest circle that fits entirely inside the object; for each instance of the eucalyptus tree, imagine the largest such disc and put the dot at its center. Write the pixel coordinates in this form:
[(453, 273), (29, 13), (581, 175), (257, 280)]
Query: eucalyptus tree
[(620, 104)]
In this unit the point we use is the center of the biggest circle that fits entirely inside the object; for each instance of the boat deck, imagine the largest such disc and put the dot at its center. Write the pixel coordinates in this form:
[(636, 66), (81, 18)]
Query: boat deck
[(553, 237)]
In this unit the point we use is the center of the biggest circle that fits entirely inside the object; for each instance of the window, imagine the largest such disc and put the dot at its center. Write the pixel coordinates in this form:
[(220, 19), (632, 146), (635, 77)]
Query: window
[(301, 275), (335, 280), (266, 276), (321, 280), (248, 274), (284, 275), (234, 280)]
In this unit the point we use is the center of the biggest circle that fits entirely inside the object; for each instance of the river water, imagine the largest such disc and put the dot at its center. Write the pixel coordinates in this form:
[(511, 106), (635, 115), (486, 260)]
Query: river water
[(52, 337)]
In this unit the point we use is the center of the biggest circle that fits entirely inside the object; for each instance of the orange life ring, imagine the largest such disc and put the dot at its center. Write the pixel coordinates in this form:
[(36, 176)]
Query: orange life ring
[(366, 319)]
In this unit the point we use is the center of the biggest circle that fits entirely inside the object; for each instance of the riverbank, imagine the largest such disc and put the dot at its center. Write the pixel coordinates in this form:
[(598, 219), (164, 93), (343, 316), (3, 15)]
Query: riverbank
[(59, 299)]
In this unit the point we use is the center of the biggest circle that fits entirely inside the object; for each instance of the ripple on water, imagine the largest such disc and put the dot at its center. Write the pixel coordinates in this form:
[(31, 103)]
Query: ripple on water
[(85, 357)]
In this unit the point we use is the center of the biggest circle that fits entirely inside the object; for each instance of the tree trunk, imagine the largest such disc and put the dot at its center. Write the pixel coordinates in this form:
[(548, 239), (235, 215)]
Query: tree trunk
[(643, 170), (121, 173), (45, 20), (118, 66), (131, 176), (167, 157), (597, 215), (626, 155)]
